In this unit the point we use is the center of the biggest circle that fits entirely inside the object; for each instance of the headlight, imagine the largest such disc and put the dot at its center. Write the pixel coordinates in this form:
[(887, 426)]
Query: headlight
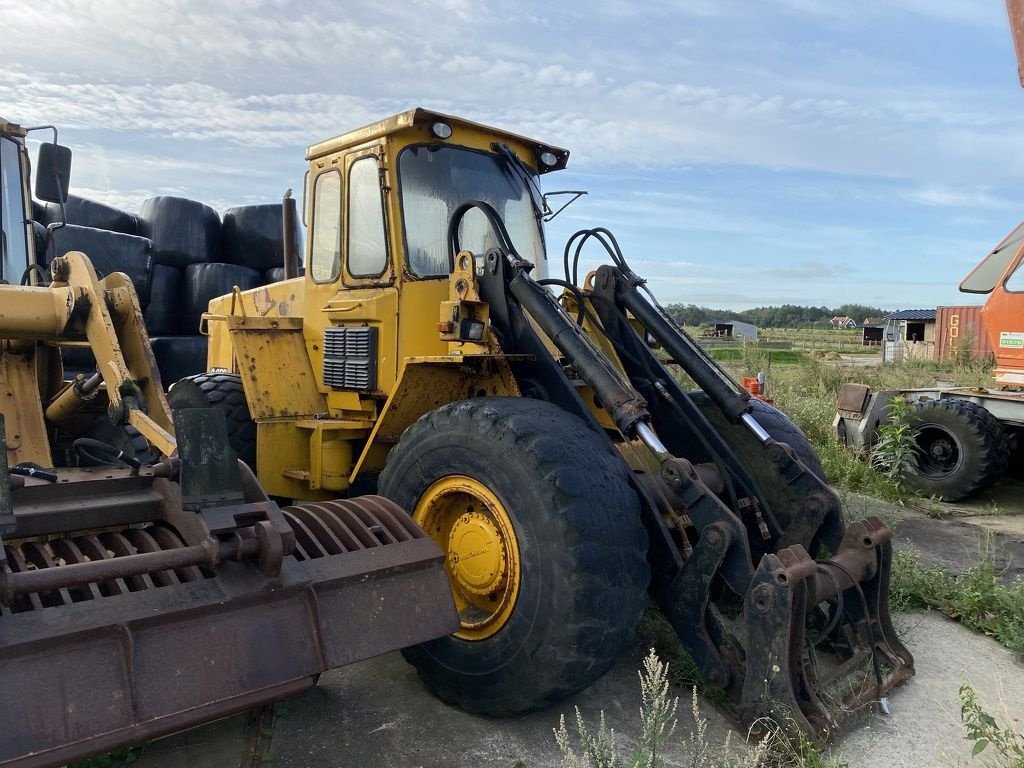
[(441, 130)]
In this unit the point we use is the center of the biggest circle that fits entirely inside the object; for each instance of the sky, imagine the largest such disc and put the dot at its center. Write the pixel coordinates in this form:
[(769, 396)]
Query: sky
[(744, 153)]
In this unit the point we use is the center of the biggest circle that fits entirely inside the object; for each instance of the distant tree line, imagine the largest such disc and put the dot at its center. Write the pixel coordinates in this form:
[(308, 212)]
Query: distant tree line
[(786, 316)]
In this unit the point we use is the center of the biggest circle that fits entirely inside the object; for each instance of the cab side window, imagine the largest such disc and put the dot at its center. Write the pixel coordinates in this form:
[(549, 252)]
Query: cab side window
[(325, 257), (367, 241), (1015, 281)]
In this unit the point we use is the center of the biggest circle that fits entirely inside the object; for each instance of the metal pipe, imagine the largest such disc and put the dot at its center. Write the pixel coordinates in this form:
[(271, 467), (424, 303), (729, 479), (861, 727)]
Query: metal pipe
[(207, 554), (751, 423), (39, 314), (624, 404), (646, 435), (718, 386), (70, 399), (288, 233)]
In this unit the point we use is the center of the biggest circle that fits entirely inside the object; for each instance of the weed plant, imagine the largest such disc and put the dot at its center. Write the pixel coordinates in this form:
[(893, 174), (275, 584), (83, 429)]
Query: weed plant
[(895, 453), (989, 737), (599, 748)]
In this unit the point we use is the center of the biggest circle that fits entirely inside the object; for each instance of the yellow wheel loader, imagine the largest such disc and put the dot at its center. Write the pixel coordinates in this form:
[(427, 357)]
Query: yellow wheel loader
[(541, 441), (147, 582)]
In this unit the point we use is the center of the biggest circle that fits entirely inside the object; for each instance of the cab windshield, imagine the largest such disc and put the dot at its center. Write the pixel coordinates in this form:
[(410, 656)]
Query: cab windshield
[(13, 245), (435, 180)]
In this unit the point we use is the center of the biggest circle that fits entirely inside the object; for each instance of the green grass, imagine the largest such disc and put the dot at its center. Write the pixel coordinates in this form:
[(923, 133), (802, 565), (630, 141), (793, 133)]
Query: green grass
[(977, 598), (758, 356)]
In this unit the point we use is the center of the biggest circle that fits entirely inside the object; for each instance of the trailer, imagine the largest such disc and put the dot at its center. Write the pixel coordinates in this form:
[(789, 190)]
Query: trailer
[(965, 436)]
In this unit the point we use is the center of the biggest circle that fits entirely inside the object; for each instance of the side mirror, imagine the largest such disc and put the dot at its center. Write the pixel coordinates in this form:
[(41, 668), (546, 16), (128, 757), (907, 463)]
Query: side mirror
[(53, 173)]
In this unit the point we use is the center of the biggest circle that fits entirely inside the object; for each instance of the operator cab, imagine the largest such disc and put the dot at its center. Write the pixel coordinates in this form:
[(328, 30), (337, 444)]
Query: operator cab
[(436, 163)]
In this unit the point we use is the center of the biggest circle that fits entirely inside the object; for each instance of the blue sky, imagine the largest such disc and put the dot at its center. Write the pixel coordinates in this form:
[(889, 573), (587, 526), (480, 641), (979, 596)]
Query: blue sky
[(744, 153)]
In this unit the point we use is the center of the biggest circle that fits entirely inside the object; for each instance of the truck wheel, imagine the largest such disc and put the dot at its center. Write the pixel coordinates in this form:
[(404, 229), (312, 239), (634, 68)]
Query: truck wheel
[(545, 549), (961, 449), (224, 392)]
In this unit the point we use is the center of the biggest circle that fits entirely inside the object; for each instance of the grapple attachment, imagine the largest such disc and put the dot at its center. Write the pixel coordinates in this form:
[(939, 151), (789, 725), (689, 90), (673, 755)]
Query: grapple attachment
[(175, 610), (820, 641), (732, 508)]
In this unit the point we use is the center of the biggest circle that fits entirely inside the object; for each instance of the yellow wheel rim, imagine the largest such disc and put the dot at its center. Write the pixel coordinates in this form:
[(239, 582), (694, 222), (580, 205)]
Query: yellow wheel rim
[(468, 522)]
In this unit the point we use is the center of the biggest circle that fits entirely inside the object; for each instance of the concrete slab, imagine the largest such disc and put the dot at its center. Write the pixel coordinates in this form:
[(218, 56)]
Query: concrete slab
[(924, 728), (377, 715)]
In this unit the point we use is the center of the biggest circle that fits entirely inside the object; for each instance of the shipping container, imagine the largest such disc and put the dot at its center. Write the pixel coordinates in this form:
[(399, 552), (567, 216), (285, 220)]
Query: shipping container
[(961, 333)]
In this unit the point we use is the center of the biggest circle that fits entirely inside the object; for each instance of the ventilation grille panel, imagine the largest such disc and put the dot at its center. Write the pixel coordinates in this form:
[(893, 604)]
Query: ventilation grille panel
[(350, 357)]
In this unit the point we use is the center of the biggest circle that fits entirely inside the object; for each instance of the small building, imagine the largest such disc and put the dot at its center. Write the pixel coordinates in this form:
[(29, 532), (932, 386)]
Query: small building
[(735, 329), (909, 335), (842, 321), (873, 333)]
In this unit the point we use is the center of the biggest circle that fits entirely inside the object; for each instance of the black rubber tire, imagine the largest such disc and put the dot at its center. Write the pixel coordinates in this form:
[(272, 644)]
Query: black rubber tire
[(581, 541), (782, 428), (962, 449), (774, 422), (224, 392)]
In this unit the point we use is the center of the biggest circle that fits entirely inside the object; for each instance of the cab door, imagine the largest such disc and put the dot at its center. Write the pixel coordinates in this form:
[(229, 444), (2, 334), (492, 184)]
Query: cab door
[(351, 323)]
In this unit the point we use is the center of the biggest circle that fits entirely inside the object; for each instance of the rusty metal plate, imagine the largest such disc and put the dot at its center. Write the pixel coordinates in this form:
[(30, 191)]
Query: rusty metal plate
[(853, 398)]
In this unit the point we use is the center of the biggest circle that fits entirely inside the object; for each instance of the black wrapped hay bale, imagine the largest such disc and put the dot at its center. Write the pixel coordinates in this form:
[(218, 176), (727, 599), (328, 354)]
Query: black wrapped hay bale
[(179, 356), (276, 275), (208, 281), (89, 213), (252, 236), (163, 313), (77, 360), (183, 231), (108, 252)]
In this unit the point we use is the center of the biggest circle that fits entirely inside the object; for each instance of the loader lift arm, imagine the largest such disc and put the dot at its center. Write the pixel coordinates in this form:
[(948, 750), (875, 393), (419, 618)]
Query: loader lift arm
[(762, 657)]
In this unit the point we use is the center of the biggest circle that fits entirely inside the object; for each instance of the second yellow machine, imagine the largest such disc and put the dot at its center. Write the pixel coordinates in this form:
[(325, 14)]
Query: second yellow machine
[(540, 440)]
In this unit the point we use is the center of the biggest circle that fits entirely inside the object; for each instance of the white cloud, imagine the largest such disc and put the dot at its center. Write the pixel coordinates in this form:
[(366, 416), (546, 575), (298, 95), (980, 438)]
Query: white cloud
[(815, 99)]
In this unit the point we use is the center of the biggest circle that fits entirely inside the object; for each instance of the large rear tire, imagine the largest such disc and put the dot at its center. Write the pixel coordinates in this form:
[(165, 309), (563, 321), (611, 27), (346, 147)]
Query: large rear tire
[(545, 549), (961, 449), (775, 422), (224, 392)]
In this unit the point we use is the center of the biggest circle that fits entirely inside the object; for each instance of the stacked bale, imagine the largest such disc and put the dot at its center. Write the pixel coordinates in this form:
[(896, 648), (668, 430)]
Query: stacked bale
[(109, 252), (89, 213), (180, 255)]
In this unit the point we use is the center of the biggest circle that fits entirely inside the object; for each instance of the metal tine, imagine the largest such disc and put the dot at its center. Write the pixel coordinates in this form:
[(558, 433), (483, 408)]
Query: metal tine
[(68, 551)]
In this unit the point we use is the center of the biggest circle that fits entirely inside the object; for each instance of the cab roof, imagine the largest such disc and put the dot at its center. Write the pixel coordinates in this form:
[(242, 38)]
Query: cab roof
[(425, 117)]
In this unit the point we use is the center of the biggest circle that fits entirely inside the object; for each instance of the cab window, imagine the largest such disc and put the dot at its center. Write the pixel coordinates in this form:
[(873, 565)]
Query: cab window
[(367, 242), (1015, 281), (325, 255), (13, 246)]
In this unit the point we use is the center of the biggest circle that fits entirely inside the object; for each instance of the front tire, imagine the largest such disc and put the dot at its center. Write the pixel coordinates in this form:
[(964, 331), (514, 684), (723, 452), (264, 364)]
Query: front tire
[(961, 449), (545, 549), (224, 392)]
